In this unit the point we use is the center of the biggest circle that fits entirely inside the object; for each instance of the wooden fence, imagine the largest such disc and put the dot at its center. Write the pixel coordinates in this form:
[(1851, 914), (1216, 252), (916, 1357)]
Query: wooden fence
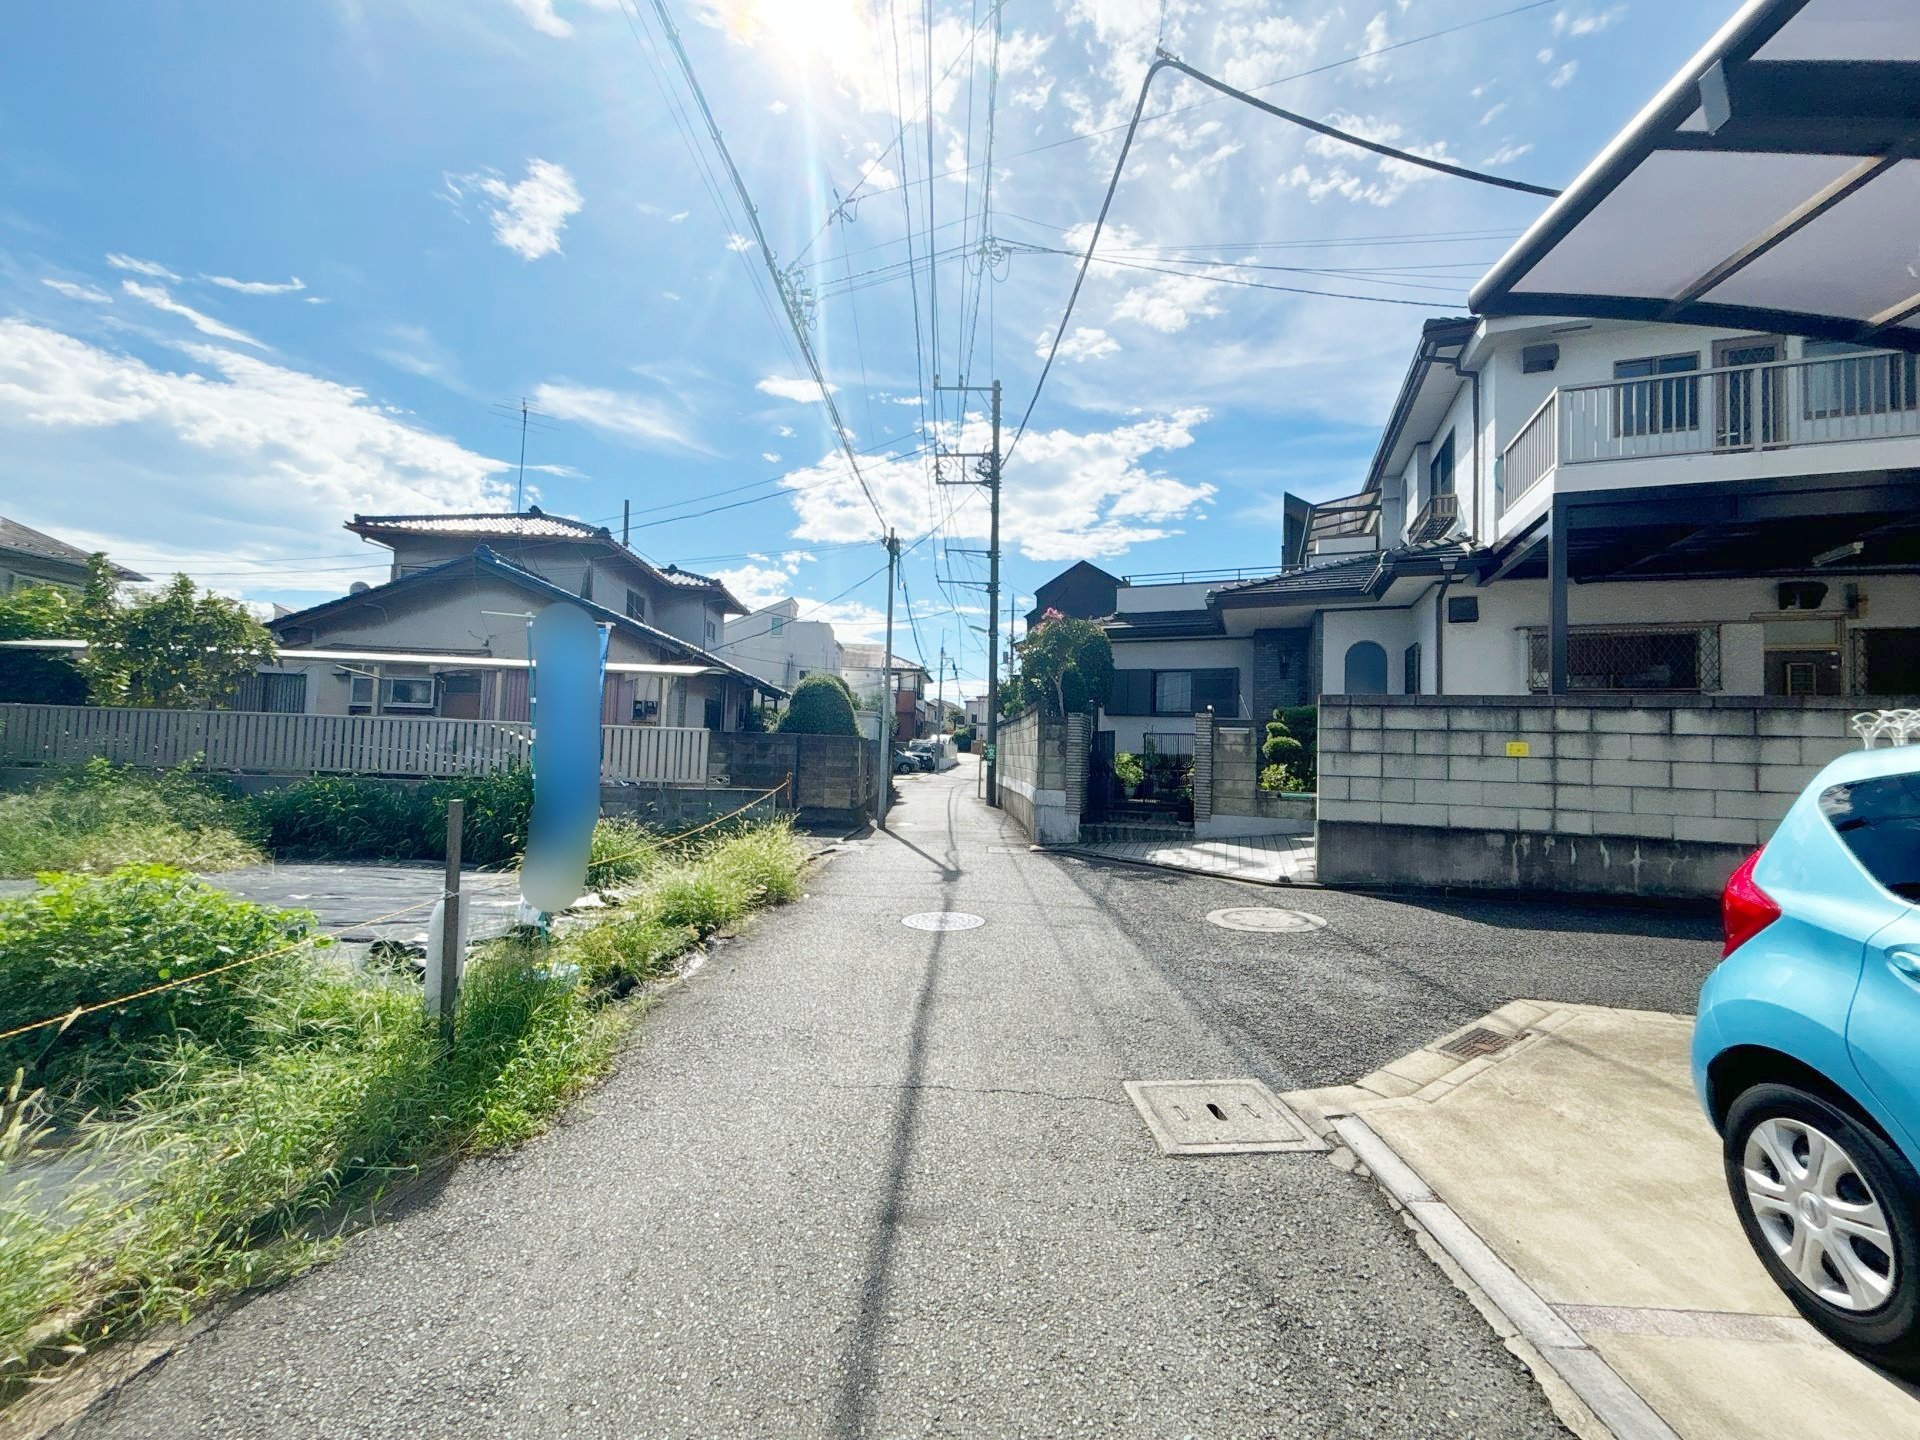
[(253, 742)]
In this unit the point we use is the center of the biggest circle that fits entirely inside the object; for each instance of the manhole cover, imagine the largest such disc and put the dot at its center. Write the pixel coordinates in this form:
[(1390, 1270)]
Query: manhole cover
[(943, 920), (1218, 1117), (1477, 1042), (1266, 919)]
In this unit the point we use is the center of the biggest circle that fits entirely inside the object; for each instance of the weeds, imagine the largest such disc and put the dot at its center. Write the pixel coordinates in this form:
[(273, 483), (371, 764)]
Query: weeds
[(192, 1150), (99, 816)]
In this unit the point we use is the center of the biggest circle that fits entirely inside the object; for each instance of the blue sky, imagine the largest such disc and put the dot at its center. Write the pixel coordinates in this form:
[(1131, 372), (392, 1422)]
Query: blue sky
[(262, 266)]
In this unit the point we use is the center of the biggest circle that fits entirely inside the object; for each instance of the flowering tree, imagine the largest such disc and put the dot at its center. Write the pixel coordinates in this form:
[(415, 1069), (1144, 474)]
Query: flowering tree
[(1066, 666)]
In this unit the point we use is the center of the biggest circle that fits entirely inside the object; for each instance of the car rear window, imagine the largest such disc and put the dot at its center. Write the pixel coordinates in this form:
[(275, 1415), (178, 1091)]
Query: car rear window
[(1879, 820)]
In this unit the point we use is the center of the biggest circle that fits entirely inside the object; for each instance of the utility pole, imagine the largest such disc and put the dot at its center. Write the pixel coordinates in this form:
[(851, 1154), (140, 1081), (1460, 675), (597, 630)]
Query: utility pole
[(626, 522), (988, 473), (940, 691), (886, 691)]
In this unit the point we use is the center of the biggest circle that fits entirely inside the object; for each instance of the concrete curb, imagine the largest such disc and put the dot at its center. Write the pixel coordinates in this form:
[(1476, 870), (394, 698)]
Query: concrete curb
[(1613, 1402), (1080, 852)]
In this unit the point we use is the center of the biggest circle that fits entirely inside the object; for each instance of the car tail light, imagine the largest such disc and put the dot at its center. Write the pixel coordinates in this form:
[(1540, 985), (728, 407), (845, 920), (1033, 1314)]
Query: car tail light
[(1745, 909)]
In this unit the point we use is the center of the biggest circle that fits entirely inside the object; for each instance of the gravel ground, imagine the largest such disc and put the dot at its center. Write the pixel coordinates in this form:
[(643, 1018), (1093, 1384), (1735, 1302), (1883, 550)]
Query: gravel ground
[(854, 1179)]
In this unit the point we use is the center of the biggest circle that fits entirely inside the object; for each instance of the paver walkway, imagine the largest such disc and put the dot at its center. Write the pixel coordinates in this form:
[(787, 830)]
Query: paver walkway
[(855, 1179), (1268, 859)]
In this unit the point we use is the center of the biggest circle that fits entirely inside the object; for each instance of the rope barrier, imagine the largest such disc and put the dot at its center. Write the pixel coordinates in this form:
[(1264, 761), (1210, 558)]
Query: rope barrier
[(67, 1017)]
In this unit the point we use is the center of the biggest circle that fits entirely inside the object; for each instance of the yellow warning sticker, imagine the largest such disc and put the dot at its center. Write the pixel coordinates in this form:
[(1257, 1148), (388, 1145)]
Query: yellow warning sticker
[(1518, 749)]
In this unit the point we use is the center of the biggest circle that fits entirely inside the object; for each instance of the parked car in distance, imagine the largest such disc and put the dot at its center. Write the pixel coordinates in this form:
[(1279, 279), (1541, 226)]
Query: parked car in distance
[(931, 750), (1806, 1053), (905, 762)]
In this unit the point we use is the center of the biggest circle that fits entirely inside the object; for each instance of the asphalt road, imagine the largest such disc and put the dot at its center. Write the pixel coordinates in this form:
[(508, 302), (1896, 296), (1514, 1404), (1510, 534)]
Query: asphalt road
[(854, 1179)]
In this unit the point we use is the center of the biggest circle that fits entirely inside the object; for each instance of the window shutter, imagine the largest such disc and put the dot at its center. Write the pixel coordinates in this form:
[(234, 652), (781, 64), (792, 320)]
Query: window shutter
[(1132, 693)]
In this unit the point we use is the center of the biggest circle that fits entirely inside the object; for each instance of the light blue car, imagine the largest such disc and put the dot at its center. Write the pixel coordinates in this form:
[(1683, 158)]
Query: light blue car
[(1806, 1053)]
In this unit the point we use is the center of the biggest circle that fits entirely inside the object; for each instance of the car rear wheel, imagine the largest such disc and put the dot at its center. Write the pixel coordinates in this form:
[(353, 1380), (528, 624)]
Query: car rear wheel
[(1830, 1208)]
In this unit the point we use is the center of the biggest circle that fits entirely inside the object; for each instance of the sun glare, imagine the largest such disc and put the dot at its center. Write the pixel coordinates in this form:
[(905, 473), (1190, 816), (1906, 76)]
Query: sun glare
[(793, 30)]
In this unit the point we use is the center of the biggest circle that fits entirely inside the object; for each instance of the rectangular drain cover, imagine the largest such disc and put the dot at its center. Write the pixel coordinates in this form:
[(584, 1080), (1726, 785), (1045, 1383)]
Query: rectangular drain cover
[(1218, 1117), (1477, 1042)]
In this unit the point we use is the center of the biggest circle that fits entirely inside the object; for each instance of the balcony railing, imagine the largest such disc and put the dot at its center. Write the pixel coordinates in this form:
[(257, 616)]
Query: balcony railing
[(1732, 410), (1435, 519)]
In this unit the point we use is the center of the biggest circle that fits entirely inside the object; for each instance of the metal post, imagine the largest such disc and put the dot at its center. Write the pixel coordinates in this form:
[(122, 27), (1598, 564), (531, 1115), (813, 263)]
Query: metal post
[(885, 788), (449, 957), (993, 611), (1557, 598)]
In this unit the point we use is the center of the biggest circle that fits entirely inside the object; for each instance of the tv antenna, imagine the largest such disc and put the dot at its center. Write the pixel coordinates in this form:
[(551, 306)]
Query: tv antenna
[(528, 416)]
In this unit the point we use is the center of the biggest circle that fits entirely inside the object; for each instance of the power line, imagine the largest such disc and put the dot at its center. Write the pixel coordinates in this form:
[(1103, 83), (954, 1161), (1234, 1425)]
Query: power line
[(766, 254), (1163, 62)]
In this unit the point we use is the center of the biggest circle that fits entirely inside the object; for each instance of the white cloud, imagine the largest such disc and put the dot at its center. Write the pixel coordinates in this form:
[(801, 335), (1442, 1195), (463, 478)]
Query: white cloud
[(739, 244), (770, 457), (152, 269), (1080, 496), (1506, 153), (237, 458), (783, 387), (540, 15), (1082, 343), (672, 295), (529, 215), (259, 287), (89, 293), (785, 431), (1545, 57), (1563, 75), (637, 419), (158, 297), (678, 216), (1376, 39), (1394, 177), (1494, 114), (777, 107), (1592, 22)]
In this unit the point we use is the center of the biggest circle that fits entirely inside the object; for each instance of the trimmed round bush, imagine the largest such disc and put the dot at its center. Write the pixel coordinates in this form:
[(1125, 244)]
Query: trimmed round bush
[(821, 705)]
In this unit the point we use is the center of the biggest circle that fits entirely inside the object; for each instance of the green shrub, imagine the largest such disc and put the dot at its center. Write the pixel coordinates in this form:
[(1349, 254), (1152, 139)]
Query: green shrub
[(1279, 777), (353, 817), (1128, 770), (1292, 740), (80, 940), (97, 816), (821, 705)]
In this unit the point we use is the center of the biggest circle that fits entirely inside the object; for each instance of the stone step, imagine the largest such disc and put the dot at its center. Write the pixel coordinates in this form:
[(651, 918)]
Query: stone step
[(1110, 832)]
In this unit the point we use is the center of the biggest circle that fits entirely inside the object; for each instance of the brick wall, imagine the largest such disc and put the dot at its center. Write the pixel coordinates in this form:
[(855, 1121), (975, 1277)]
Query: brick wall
[(1281, 672), (1667, 793)]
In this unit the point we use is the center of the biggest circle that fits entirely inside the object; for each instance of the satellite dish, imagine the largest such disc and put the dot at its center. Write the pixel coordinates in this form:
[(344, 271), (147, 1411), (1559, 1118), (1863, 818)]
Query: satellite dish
[(358, 587)]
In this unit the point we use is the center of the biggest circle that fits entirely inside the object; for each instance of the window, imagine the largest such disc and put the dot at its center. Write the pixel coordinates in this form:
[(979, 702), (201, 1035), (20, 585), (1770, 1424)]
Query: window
[(1879, 821), (1852, 380), (406, 692), (636, 605), (1675, 658), (778, 625), (1410, 671), (360, 694), (1366, 669), (1440, 469), (713, 632), (1173, 692), (1886, 661), (1656, 406)]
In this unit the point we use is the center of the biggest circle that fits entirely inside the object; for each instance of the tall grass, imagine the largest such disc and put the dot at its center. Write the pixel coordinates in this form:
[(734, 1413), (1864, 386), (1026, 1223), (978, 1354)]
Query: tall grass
[(243, 1124), (98, 816)]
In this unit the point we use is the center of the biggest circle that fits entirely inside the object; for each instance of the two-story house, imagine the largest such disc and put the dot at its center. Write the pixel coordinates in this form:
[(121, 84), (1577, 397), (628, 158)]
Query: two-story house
[(866, 670), (447, 633), (777, 645), (30, 557)]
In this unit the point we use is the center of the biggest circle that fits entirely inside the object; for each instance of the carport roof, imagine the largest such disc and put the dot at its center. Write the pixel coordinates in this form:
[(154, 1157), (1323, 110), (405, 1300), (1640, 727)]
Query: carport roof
[(1772, 185)]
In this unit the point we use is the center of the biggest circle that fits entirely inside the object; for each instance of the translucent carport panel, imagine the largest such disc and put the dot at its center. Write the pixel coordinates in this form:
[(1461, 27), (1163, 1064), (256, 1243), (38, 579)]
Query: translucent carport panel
[(1847, 30), (1678, 214), (1858, 259)]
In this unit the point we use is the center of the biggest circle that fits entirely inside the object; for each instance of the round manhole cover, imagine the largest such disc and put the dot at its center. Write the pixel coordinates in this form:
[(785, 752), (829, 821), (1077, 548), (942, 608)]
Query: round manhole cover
[(1266, 919), (943, 920)]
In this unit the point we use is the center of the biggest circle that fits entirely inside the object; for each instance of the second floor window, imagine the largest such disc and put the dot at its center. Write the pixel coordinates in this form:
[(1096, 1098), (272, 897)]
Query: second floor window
[(636, 605), (1440, 469), (1665, 398)]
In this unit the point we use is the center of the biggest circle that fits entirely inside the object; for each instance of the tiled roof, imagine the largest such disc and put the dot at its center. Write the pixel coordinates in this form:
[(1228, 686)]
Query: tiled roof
[(1160, 624), (25, 540), (531, 524), (484, 558), (1364, 574)]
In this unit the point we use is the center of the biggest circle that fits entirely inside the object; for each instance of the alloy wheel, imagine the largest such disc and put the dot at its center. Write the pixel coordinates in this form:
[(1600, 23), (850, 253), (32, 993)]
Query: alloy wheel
[(1819, 1214)]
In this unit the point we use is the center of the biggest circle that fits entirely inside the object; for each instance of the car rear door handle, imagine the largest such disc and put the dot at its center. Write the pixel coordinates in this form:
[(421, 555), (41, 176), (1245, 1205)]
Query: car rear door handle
[(1906, 964)]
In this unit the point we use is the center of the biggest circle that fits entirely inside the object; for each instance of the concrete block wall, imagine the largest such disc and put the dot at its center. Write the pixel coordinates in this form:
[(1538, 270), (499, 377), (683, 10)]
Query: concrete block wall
[(1034, 769), (1613, 794), (833, 775)]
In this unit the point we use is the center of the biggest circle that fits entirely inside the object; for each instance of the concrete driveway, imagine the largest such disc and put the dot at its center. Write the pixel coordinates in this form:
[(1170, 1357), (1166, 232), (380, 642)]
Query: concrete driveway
[(1568, 1140)]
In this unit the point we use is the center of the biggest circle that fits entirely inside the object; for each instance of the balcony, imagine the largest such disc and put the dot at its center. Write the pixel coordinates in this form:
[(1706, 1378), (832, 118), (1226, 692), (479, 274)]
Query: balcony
[(1739, 411)]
